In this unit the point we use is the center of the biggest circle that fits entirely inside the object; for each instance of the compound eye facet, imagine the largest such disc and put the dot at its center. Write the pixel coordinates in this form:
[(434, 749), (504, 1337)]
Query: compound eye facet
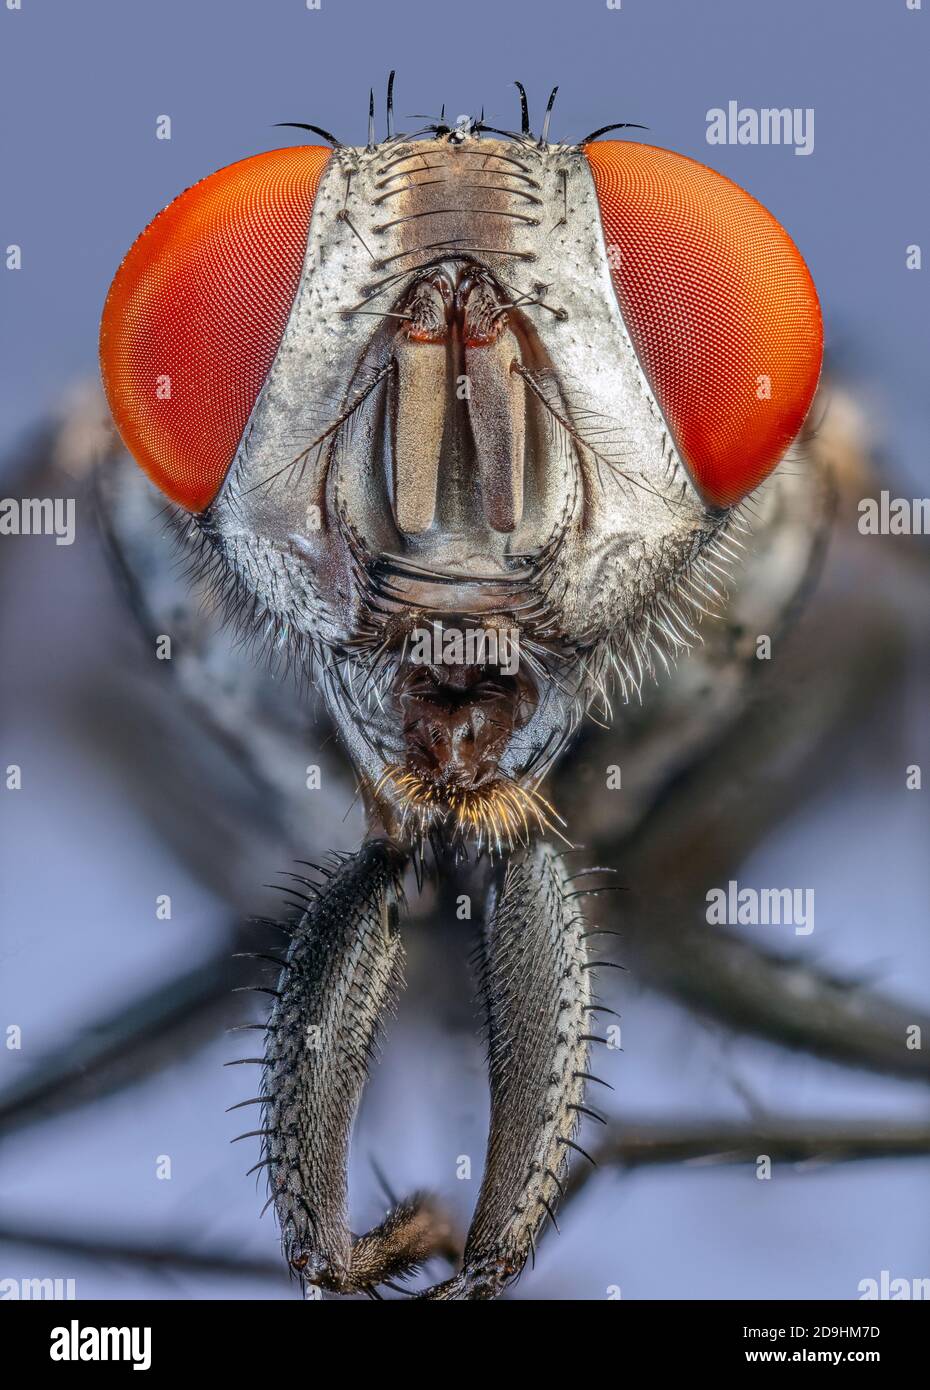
[(720, 307), (195, 314)]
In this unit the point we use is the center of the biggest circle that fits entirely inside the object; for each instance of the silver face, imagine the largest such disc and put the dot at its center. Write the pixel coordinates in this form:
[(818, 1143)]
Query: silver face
[(457, 455)]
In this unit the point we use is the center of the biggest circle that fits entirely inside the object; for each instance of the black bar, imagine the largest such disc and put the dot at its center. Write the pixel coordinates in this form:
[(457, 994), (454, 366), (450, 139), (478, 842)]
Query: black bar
[(292, 1339)]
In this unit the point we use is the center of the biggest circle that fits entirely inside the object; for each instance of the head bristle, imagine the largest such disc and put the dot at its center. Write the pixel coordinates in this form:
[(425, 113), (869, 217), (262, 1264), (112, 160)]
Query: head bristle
[(499, 815)]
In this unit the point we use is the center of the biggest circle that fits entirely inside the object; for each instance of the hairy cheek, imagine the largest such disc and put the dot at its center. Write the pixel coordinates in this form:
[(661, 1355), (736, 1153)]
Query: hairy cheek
[(617, 577)]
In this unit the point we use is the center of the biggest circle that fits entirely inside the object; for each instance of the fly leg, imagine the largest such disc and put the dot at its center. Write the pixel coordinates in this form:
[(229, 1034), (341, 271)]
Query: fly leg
[(342, 975), (535, 984)]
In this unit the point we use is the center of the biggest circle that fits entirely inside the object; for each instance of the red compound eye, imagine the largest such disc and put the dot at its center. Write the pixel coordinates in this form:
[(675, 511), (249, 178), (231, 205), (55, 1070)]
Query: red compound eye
[(195, 315), (720, 306)]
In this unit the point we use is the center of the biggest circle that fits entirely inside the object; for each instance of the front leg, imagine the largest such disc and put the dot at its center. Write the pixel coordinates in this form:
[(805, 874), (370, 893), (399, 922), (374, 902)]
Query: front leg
[(342, 974), (535, 980)]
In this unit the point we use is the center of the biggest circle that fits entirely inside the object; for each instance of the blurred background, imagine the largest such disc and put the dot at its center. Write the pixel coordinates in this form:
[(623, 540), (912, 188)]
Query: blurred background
[(127, 794)]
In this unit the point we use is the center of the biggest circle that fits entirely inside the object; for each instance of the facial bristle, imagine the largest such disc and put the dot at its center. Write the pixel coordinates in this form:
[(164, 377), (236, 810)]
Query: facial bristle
[(498, 816)]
